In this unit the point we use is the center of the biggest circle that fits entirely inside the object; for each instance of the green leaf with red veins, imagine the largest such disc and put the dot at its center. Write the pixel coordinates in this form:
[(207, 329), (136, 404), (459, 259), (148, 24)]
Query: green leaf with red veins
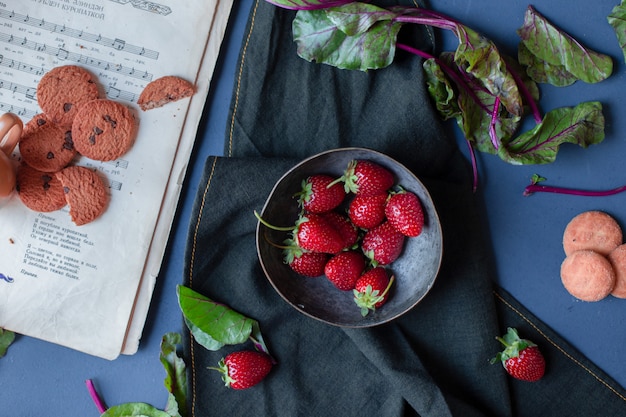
[(320, 39), (176, 376), (560, 51), (481, 58), (617, 20), (582, 125), (542, 71), (134, 409)]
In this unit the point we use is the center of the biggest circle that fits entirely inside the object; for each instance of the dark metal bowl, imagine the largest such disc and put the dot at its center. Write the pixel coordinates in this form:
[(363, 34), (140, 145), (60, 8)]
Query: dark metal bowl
[(415, 270)]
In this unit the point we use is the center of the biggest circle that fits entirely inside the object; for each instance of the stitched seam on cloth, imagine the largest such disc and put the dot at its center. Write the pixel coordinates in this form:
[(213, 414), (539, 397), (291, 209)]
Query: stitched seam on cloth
[(191, 264), (239, 75), (553, 343)]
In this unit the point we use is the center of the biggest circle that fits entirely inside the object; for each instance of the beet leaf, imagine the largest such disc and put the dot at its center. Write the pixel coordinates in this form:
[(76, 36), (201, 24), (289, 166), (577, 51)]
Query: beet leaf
[(485, 91), (557, 57), (176, 375), (6, 338), (582, 125), (134, 409), (307, 4), (368, 41), (617, 20)]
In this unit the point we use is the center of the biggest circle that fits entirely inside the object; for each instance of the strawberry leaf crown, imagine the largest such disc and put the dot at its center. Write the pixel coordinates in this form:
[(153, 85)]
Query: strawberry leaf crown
[(513, 345)]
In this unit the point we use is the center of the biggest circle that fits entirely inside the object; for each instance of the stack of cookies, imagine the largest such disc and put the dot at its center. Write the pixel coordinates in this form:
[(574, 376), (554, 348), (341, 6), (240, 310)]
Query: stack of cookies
[(75, 119), (595, 263)]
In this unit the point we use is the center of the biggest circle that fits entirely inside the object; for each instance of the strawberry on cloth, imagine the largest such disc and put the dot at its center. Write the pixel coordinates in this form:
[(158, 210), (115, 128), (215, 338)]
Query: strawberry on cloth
[(521, 358)]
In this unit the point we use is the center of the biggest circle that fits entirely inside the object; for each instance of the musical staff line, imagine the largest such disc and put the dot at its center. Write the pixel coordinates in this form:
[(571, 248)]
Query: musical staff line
[(65, 55), (119, 163), (147, 6), (117, 44), (20, 111), (29, 92), (21, 66)]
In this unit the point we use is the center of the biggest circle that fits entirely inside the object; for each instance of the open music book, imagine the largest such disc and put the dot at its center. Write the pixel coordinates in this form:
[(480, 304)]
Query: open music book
[(89, 287)]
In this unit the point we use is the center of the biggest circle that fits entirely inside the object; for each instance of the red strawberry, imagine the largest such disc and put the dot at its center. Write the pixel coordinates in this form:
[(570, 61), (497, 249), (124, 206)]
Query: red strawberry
[(366, 178), (367, 211), (383, 244), (521, 358), (311, 233), (315, 234), (344, 226), (318, 195), (344, 269), (309, 264), (244, 369), (404, 212), (372, 289)]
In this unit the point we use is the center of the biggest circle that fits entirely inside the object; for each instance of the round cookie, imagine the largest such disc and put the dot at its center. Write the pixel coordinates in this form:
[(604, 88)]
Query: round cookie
[(39, 191), (592, 230), (45, 145), (587, 275), (103, 130), (85, 192), (63, 90), (164, 90), (618, 260)]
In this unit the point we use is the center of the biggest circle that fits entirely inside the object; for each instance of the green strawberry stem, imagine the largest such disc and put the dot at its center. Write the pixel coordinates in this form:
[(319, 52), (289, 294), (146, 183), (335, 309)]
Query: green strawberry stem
[(222, 368), (348, 178), (513, 345), (391, 280), (271, 226), (368, 299)]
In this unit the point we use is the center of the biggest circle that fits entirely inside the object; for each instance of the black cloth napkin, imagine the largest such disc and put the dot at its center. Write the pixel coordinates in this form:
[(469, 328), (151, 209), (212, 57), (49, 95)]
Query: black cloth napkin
[(434, 360)]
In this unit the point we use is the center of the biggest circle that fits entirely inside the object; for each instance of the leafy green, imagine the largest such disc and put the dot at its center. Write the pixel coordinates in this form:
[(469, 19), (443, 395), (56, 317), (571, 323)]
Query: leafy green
[(176, 377), (175, 382), (134, 410), (559, 58), (485, 91), (543, 72), (367, 43), (214, 325), (617, 20), (6, 338), (582, 125), (307, 4)]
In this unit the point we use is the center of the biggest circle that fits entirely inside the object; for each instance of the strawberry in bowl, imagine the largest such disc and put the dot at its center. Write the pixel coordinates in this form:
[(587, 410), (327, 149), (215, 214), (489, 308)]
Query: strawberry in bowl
[(386, 220)]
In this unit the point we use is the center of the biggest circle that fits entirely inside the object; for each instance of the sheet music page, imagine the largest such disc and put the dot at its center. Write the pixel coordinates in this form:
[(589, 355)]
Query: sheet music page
[(76, 285)]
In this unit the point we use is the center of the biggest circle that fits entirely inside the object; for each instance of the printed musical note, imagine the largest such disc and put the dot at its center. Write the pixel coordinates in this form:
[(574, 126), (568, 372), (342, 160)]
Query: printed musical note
[(115, 185), (119, 44), (62, 54), (113, 92), (120, 163)]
